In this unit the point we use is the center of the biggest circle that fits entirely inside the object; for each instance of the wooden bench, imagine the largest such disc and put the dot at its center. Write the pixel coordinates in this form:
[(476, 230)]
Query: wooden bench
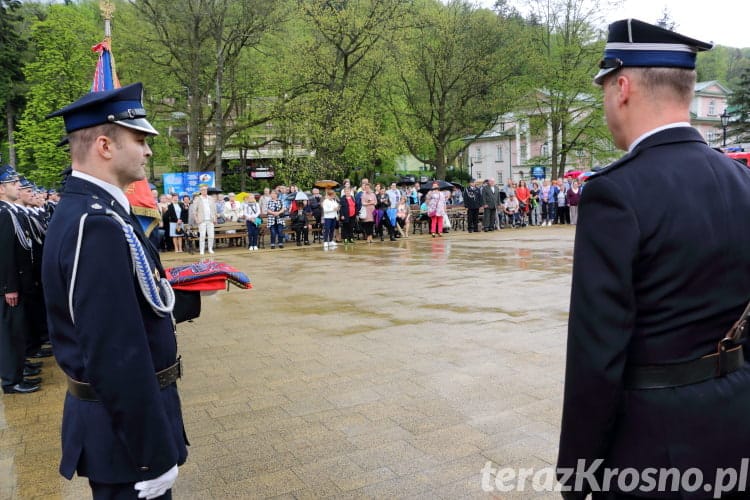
[(417, 223), (228, 233), (457, 216)]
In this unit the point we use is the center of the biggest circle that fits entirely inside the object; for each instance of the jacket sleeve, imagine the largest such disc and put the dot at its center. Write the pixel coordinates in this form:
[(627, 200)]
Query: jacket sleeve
[(116, 348), (600, 326), (8, 273)]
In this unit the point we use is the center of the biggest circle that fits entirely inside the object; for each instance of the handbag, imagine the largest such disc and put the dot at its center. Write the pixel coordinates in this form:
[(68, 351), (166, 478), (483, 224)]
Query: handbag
[(363, 212), (258, 221)]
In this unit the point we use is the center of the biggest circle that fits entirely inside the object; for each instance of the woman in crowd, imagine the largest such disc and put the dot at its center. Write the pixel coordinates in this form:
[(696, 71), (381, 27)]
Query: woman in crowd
[(347, 215), (367, 217), (330, 214), (382, 219), (574, 196), (251, 211), (523, 195), (535, 208), (174, 216), (436, 210), (402, 217), (563, 216), (275, 211)]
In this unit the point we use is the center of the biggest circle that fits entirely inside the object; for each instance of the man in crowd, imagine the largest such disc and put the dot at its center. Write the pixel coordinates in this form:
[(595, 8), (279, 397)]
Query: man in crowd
[(490, 202), (473, 202), (205, 216)]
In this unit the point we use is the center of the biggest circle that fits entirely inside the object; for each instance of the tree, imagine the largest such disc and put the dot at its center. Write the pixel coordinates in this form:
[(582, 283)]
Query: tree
[(739, 102), (196, 45), (457, 74), (666, 21), (60, 73), (11, 50), (338, 63), (568, 48)]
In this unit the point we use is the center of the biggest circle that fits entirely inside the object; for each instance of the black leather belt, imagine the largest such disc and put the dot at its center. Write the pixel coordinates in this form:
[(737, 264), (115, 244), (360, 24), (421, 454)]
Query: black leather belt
[(84, 391), (718, 364)]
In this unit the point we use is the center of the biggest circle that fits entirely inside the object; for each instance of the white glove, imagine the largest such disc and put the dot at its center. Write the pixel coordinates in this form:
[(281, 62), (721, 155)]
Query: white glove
[(156, 487)]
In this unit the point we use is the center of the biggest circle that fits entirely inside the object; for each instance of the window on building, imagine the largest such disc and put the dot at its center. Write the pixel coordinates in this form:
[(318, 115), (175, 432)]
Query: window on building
[(499, 154), (478, 157), (711, 107)]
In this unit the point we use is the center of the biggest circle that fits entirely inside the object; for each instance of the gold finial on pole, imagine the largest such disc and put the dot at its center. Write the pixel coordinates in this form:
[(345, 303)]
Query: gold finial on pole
[(107, 8)]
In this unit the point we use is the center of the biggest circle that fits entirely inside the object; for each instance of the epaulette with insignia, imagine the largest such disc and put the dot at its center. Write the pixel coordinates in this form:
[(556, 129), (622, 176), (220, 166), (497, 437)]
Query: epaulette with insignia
[(95, 206)]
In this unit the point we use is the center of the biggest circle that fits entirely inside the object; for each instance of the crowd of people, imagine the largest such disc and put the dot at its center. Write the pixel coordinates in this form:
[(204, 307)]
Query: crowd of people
[(370, 210)]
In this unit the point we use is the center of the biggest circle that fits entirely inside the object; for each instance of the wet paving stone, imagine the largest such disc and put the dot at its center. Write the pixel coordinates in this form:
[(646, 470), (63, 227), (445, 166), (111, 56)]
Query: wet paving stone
[(391, 370)]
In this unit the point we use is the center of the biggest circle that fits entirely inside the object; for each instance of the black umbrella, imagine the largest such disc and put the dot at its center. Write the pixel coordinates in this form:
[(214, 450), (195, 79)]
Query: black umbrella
[(213, 190), (442, 185), (407, 180)]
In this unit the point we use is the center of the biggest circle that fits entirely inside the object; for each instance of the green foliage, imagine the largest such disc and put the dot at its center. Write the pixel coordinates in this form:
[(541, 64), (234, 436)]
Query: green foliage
[(739, 103), (11, 48), (459, 70), (354, 85), (567, 50), (60, 73)]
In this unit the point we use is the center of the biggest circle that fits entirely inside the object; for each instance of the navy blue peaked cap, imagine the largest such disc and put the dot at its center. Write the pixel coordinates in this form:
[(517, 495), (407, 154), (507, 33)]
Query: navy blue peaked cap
[(633, 43), (8, 174), (123, 106)]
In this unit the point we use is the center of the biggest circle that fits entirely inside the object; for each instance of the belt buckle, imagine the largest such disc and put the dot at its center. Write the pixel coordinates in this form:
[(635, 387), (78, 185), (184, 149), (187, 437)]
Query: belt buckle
[(724, 346)]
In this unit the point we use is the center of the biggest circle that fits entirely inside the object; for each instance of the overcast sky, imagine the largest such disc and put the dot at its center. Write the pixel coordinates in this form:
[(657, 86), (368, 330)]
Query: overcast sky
[(724, 22)]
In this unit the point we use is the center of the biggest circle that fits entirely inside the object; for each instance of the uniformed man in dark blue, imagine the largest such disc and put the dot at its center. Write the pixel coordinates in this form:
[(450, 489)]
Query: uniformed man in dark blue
[(661, 272), (110, 310), (16, 285)]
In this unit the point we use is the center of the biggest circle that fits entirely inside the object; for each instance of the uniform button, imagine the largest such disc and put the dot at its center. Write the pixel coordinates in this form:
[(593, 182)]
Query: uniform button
[(144, 469)]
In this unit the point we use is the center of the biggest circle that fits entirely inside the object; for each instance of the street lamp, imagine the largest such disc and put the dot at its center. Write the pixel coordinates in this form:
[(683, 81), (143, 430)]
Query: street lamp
[(724, 122)]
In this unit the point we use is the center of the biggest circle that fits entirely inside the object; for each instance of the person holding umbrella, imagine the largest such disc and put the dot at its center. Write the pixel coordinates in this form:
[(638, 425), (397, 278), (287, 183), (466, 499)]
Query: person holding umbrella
[(436, 209)]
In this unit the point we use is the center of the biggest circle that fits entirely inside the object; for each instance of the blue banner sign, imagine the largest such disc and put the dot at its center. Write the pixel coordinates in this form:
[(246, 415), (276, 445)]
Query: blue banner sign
[(187, 182)]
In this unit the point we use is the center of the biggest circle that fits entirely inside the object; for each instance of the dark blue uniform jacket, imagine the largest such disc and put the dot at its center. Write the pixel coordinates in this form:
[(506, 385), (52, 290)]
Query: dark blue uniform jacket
[(661, 271), (115, 342)]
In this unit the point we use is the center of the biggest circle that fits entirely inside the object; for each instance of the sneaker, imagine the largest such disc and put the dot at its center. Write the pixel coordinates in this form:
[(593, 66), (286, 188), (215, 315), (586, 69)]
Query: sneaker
[(332, 244), (325, 245), (211, 252), (281, 245), (273, 246)]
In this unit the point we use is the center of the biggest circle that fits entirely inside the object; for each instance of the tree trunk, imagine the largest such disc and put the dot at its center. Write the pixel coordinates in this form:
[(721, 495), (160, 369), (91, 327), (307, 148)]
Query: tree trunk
[(10, 114), (243, 169), (193, 132), (218, 115)]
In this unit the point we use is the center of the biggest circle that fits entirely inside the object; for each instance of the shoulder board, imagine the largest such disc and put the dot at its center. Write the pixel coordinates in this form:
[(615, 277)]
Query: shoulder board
[(614, 165), (96, 206)]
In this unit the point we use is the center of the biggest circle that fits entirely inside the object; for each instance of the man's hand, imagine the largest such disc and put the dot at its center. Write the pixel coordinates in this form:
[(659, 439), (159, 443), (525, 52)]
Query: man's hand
[(11, 299), (156, 487)]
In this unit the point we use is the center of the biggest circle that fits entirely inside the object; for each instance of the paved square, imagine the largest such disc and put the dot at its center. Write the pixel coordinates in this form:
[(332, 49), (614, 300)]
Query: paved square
[(373, 371)]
